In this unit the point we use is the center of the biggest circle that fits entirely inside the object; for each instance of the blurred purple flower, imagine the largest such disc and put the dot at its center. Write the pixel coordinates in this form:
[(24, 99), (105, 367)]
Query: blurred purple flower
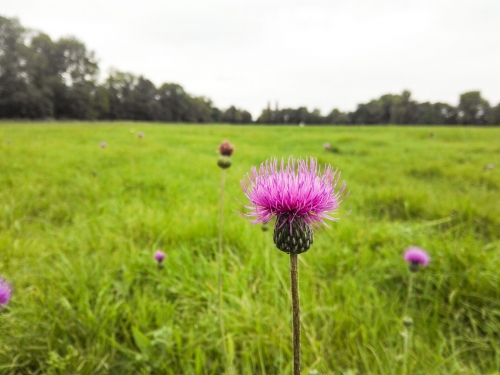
[(416, 257), (298, 190), (5, 292), (326, 146), (103, 144), (140, 134), (159, 256)]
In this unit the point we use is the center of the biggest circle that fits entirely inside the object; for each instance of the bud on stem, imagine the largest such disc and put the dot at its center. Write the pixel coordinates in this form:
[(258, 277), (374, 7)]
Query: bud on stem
[(293, 238)]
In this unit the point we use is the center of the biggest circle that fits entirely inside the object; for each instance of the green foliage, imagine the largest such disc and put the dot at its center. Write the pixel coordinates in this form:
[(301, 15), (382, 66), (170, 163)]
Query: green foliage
[(79, 226), (473, 109), (43, 79)]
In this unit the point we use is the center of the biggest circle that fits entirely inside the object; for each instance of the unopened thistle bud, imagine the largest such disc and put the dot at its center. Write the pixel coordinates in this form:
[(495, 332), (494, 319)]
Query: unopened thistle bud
[(224, 162), (407, 321), (293, 238), (226, 148)]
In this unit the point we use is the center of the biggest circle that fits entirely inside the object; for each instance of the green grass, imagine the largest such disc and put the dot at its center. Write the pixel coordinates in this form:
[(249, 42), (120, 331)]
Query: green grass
[(79, 226)]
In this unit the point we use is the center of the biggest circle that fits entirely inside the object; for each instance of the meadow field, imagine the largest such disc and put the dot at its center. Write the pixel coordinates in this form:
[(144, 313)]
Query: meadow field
[(79, 225)]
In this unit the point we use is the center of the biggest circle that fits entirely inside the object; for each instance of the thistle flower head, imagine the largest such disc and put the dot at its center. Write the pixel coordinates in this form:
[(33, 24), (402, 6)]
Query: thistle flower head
[(298, 190), (226, 148), (159, 256), (416, 257), (297, 194), (5, 292), (103, 144)]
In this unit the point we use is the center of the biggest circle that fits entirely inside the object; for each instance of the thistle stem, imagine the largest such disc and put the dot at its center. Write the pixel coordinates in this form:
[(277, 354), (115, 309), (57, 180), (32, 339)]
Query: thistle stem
[(220, 281), (407, 331), (294, 282), (410, 291), (406, 338)]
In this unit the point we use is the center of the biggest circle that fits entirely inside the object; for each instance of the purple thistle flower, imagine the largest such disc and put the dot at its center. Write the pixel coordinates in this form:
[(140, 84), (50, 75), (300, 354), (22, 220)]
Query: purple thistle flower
[(5, 292), (298, 195), (103, 144), (140, 134), (159, 256), (416, 257)]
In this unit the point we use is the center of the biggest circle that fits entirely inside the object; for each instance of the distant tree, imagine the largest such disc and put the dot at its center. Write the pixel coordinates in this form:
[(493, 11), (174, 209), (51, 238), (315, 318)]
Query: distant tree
[(79, 71), (14, 91), (120, 87), (403, 110), (246, 117), (234, 115), (495, 115), (43, 70), (424, 114), (144, 104), (266, 116), (315, 117), (216, 114), (370, 113), (102, 102), (473, 109), (174, 102), (337, 117), (445, 114), (231, 115), (199, 109)]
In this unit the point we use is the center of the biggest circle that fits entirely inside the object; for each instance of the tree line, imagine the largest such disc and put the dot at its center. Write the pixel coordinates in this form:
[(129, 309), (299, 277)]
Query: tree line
[(395, 109), (41, 78)]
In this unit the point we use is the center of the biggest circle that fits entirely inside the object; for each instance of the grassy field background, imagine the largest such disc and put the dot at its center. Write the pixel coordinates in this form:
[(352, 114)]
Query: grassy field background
[(79, 225)]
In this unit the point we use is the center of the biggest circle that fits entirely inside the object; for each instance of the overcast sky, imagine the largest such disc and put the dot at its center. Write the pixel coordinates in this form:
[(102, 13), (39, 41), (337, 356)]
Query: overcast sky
[(317, 53)]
